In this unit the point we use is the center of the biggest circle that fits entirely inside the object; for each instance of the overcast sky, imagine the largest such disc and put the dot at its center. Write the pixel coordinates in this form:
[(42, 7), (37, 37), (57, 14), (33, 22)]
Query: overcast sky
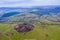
[(27, 3)]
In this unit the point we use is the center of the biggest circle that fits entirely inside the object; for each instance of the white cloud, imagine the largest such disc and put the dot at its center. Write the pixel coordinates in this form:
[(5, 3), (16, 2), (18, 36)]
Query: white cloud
[(11, 0), (14, 3)]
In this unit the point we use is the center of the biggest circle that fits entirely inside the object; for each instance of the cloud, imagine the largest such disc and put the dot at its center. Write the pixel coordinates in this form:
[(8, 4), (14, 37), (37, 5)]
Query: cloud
[(10, 0), (23, 3)]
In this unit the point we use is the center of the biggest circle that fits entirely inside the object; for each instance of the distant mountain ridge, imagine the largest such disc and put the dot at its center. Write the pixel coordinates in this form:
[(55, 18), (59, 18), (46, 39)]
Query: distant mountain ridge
[(45, 14)]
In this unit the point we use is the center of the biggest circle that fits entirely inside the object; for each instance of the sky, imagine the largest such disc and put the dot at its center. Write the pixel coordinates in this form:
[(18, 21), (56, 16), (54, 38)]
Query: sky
[(27, 3)]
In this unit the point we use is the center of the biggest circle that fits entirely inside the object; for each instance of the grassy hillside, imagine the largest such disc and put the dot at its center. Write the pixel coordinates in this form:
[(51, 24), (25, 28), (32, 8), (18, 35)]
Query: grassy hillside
[(40, 32)]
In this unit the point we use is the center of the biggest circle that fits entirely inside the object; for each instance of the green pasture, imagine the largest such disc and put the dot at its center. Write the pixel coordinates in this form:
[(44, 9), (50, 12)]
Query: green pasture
[(40, 32)]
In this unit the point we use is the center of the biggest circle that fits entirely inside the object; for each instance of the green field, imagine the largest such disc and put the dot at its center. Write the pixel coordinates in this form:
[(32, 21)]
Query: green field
[(40, 32)]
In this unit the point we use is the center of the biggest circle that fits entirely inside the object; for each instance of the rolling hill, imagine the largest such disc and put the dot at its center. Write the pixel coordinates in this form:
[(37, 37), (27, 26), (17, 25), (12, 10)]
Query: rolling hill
[(46, 14)]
